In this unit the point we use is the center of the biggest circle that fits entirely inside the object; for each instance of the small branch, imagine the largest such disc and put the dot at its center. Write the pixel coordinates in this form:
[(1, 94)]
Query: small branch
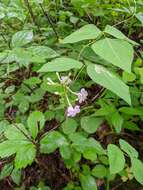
[(32, 14), (49, 20)]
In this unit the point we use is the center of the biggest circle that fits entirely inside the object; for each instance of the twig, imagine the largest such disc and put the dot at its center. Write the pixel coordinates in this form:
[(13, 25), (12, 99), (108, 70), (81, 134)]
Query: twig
[(49, 20), (32, 14)]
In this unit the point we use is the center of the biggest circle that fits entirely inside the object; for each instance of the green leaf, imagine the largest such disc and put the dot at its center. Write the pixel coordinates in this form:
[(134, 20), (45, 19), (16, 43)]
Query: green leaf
[(126, 147), (7, 148), (25, 156), (128, 77), (65, 151), (132, 111), (116, 159), (51, 142), (118, 52), (43, 52), (16, 132), (117, 34), (21, 38), (137, 168), (88, 182), (36, 122), (6, 171), (32, 81), (61, 64), (139, 16), (90, 154), (99, 171), (107, 79), (90, 124), (23, 106), (3, 125), (87, 32), (16, 176), (69, 126), (117, 121)]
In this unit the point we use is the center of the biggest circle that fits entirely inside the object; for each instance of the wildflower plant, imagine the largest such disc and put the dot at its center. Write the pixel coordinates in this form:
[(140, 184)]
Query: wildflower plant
[(71, 94)]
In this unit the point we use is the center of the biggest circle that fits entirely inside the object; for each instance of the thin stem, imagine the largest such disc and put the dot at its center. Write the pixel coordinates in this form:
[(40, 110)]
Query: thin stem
[(32, 14), (108, 185), (49, 20)]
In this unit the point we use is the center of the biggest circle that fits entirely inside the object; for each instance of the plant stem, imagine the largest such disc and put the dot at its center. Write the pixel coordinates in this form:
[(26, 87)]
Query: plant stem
[(32, 14), (108, 185), (49, 20)]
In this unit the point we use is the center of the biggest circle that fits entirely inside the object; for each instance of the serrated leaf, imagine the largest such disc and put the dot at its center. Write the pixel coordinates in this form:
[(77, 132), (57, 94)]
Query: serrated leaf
[(86, 32), (36, 122), (16, 176), (118, 52), (116, 159), (107, 79), (21, 38), (25, 156), (137, 168), (6, 171), (7, 148), (61, 64), (126, 147), (16, 132)]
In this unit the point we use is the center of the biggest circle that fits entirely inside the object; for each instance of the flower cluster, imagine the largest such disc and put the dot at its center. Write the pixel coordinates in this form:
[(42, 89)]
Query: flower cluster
[(82, 95), (73, 111), (65, 80)]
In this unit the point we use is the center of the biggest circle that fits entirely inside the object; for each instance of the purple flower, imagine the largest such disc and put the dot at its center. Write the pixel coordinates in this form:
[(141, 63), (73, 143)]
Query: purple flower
[(82, 95), (72, 111), (65, 80)]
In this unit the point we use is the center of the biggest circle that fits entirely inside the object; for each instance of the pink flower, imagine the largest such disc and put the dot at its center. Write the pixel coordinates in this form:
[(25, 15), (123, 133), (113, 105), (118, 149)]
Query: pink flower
[(72, 111), (82, 95)]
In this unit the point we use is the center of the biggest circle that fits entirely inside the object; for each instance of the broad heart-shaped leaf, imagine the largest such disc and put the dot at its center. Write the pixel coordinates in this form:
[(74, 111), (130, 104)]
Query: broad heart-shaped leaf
[(126, 147), (21, 38), (90, 123), (116, 159), (117, 34), (61, 64), (86, 32), (36, 122), (107, 79), (137, 168), (25, 155), (88, 182), (118, 52)]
